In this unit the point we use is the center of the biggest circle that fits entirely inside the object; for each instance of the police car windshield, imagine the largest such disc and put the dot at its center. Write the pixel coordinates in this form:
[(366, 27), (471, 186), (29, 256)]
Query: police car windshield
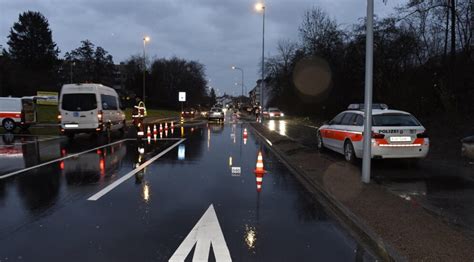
[(394, 120)]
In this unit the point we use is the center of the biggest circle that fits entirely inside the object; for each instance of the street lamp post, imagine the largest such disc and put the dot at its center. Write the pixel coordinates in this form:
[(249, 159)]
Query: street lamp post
[(242, 71), (260, 7), (146, 39), (369, 57)]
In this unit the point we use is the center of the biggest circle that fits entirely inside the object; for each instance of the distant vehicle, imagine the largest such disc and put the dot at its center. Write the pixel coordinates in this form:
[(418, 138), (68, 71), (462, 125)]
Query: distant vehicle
[(273, 112), (204, 112), (395, 134), (188, 113), (216, 114), (89, 108), (15, 111)]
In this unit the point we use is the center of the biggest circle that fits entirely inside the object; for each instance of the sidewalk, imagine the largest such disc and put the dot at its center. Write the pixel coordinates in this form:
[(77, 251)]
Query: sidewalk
[(395, 228)]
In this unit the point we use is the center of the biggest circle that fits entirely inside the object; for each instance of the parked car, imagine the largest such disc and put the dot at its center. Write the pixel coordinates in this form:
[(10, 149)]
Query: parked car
[(89, 108), (216, 114), (15, 111), (395, 134)]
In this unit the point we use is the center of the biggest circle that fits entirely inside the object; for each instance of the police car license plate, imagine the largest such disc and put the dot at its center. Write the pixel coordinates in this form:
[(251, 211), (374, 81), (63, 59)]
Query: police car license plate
[(400, 139), (75, 114)]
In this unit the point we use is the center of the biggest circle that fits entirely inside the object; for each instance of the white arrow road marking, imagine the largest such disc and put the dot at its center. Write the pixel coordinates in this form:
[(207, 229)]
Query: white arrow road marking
[(205, 233)]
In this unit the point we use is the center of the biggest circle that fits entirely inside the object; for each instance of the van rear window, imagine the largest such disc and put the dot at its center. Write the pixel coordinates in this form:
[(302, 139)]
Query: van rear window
[(79, 102)]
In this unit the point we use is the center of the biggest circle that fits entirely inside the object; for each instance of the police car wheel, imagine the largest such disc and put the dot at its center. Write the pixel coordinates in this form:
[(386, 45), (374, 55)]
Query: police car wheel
[(349, 154), (319, 142), (9, 125)]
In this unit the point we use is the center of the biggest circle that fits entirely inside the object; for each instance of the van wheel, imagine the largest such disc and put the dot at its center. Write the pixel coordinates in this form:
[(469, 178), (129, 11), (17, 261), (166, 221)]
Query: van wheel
[(9, 125), (349, 153)]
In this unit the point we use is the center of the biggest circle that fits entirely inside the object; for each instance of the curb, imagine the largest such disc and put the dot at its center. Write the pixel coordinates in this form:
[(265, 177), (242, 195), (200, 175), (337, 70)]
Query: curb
[(359, 229)]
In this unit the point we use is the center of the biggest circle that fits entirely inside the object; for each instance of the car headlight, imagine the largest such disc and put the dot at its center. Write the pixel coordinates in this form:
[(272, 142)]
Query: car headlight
[(282, 114), (272, 114)]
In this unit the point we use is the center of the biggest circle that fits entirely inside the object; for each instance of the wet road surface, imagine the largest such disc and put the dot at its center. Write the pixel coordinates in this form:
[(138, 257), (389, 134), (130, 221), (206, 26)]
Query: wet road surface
[(155, 197), (442, 190)]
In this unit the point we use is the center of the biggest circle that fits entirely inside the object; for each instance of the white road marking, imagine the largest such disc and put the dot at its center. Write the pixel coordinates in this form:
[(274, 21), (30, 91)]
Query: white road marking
[(59, 159), (314, 127), (119, 181), (268, 141), (205, 233)]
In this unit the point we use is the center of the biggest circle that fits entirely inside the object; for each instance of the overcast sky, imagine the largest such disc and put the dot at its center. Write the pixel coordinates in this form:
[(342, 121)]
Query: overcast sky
[(217, 33)]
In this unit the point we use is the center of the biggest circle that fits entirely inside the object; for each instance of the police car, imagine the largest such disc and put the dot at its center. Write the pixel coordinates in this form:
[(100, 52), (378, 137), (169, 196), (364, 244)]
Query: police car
[(395, 134)]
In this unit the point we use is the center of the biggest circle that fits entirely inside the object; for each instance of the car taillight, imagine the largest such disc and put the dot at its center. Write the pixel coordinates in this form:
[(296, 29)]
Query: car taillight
[(422, 135), (99, 115), (377, 135)]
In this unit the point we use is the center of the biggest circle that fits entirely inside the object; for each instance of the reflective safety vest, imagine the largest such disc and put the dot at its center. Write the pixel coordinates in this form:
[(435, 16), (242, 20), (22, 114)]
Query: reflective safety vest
[(139, 110)]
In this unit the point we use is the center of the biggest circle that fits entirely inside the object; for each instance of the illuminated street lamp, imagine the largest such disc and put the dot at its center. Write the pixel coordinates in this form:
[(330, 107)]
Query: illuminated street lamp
[(260, 7), (146, 39), (242, 71)]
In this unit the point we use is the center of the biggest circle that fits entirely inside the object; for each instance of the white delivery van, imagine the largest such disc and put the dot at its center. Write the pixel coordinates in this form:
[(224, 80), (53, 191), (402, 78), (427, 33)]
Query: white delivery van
[(89, 108), (15, 111)]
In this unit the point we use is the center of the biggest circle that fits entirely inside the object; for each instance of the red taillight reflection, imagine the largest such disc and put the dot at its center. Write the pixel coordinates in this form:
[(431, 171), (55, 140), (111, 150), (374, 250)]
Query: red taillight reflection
[(99, 152), (102, 166), (63, 152), (61, 165)]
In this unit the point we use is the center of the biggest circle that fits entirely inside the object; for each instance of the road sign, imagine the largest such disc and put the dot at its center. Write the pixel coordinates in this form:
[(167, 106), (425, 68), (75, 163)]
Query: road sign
[(236, 171), (205, 233), (182, 96)]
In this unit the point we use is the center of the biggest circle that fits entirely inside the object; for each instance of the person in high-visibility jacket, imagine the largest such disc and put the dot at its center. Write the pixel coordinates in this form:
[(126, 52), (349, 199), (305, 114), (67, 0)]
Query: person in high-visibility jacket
[(138, 114)]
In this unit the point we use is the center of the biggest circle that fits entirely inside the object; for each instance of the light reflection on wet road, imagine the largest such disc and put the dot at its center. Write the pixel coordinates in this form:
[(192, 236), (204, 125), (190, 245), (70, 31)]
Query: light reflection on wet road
[(146, 218)]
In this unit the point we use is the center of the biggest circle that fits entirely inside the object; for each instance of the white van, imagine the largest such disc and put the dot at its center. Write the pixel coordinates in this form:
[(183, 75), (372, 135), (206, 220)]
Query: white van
[(89, 108), (15, 111)]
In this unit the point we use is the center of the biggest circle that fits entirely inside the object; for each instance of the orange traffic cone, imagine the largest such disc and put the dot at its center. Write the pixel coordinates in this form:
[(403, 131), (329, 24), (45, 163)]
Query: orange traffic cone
[(166, 125), (172, 125), (148, 131), (161, 128), (259, 168), (245, 133), (155, 132), (259, 172)]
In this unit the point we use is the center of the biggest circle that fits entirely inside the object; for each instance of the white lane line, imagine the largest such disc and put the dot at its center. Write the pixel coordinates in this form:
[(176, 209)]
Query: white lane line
[(314, 127), (59, 159), (206, 233), (119, 181)]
